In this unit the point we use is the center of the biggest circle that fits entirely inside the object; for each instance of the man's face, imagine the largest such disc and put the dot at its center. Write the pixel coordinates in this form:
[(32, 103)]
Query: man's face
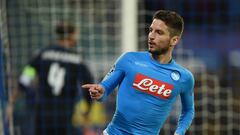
[(158, 38), (73, 39)]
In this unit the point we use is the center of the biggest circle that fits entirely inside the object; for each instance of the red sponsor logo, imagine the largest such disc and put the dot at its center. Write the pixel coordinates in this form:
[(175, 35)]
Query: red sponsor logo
[(152, 86)]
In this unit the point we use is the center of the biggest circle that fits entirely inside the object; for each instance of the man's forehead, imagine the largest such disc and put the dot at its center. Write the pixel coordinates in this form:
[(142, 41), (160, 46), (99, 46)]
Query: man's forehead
[(159, 24)]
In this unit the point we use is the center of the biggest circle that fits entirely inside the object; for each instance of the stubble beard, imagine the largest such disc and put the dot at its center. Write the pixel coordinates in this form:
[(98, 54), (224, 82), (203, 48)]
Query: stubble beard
[(161, 51)]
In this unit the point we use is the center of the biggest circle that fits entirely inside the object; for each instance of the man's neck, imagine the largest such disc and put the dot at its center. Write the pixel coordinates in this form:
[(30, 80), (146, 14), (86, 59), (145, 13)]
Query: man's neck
[(163, 58), (63, 43)]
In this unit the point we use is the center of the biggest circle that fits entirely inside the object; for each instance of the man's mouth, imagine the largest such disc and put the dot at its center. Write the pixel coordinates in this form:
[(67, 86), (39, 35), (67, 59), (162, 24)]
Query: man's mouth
[(151, 44)]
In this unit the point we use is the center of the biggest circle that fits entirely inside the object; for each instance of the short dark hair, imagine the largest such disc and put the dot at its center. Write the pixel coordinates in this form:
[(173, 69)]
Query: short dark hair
[(64, 29), (172, 19)]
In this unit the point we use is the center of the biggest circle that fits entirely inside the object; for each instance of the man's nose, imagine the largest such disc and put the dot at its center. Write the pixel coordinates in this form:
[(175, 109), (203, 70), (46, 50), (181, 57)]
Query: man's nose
[(151, 36)]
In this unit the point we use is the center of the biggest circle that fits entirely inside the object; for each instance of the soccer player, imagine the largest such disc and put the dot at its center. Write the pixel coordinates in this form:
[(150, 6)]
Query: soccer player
[(149, 83), (59, 71)]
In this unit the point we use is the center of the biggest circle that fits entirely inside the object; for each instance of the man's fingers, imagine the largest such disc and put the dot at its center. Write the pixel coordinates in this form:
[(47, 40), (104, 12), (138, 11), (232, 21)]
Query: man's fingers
[(95, 90), (95, 95), (93, 87), (88, 85)]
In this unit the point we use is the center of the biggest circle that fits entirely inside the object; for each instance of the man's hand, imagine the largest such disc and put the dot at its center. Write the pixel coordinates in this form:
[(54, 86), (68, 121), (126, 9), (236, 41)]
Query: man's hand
[(96, 91)]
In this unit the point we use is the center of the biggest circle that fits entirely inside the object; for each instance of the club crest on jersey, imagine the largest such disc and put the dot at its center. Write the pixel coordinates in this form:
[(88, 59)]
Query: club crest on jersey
[(152, 86), (175, 75)]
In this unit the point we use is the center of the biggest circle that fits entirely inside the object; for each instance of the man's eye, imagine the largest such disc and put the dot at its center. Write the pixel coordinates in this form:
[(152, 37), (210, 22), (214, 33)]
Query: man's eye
[(150, 30), (160, 32)]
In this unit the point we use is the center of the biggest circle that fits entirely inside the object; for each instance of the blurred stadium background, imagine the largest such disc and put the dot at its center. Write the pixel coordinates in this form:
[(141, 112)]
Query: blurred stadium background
[(210, 49)]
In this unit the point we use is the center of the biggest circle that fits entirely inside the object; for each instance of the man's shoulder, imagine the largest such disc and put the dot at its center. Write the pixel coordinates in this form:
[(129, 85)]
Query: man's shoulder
[(134, 54), (137, 53), (184, 71), (55, 53)]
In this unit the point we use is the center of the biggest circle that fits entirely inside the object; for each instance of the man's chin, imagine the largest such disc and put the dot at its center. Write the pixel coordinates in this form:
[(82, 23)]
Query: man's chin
[(157, 52), (153, 52), (161, 51)]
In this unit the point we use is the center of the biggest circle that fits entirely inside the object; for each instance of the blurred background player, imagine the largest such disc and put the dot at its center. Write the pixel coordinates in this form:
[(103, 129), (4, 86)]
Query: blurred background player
[(56, 71)]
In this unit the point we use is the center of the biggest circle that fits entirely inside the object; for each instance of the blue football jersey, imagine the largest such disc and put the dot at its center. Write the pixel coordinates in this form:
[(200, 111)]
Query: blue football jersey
[(147, 91)]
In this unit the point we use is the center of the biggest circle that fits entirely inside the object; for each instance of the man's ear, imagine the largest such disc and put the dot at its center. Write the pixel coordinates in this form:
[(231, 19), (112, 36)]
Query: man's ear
[(174, 40)]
